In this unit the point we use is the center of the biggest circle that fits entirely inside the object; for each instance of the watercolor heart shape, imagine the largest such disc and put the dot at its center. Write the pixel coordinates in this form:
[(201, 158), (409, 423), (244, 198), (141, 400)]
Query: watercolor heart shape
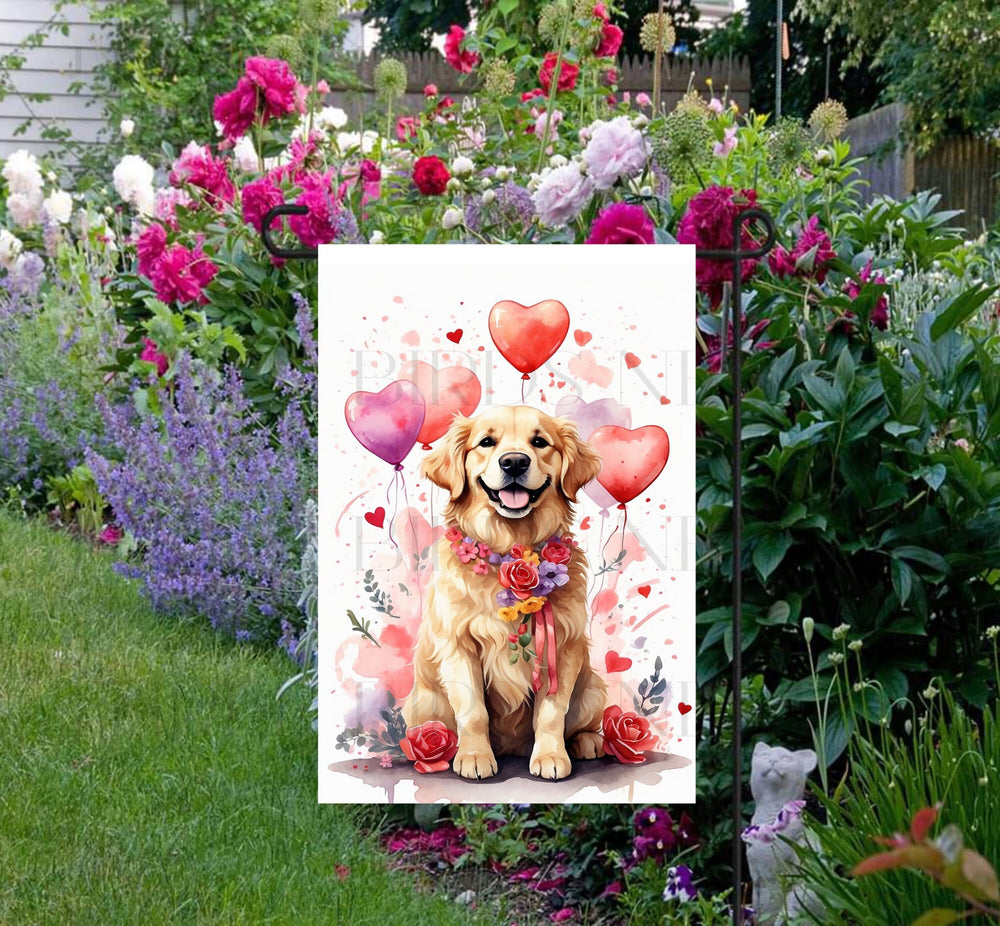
[(528, 335), (683, 708), (615, 663), (446, 392), (387, 423), (644, 590), (585, 523), (455, 336), (630, 460), (631, 361), (376, 518), (582, 337)]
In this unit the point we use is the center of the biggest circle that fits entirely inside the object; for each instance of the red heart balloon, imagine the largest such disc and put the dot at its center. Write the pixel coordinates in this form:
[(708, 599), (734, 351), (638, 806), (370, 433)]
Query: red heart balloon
[(528, 335), (376, 518), (683, 708), (630, 460), (446, 392)]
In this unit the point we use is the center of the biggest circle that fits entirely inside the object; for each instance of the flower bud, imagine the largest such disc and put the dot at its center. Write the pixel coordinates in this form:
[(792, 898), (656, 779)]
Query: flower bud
[(452, 218), (376, 237), (127, 127), (488, 197), (808, 625), (462, 166)]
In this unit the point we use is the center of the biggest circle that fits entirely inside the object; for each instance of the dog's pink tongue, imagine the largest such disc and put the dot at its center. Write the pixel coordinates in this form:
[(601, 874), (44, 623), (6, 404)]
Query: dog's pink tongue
[(514, 498)]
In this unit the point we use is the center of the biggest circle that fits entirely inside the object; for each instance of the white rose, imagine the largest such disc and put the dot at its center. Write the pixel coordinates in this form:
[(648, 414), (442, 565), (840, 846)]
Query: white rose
[(58, 206), (127, 127)]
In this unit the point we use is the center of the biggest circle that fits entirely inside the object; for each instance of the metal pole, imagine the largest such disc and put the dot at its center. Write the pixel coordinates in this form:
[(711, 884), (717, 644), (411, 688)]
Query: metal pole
[(737, 255), (777, 60)]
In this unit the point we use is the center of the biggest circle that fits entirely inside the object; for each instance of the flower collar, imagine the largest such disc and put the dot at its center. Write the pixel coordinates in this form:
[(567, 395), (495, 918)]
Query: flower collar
[(767, 832), (527, 578)]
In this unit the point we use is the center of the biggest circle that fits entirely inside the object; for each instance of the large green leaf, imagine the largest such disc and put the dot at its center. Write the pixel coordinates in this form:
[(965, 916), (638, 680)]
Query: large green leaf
[(770, 551)]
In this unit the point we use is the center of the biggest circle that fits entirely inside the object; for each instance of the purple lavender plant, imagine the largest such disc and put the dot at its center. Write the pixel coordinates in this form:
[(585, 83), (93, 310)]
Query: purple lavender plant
[(215, 500)]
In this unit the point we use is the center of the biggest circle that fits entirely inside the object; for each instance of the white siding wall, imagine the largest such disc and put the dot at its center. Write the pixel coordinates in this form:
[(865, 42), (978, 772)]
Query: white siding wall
[(51, 69)]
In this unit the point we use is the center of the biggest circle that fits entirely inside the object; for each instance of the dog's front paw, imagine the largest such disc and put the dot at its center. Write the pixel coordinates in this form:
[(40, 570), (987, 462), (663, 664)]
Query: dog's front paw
[(551, 765), (480, 764), (586, 746)]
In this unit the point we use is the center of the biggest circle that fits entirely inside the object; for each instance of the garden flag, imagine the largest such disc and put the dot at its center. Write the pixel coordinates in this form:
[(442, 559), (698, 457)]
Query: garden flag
[(507, 524)]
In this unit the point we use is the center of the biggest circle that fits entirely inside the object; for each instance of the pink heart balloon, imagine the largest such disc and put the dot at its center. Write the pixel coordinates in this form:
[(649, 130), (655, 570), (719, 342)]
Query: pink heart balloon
[(589, 416), (528, 335), (630, 460), (447, 392), (386, 423)]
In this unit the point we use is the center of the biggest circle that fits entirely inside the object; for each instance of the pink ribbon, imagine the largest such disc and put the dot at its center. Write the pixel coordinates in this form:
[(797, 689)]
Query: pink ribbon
[(545, 642)]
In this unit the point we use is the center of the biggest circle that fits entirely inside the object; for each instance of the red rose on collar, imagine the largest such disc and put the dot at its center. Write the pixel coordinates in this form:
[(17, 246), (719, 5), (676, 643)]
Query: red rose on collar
[(520, 577), (430, 746), (556, 552), (626, 735)]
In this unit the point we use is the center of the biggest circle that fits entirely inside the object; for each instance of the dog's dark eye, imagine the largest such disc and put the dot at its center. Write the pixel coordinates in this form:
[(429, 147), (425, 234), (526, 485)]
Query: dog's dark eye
[(539, 442), (487, 442)]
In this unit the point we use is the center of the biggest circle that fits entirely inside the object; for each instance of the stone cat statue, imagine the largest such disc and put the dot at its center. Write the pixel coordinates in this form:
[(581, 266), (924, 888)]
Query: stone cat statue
[(777, 781)]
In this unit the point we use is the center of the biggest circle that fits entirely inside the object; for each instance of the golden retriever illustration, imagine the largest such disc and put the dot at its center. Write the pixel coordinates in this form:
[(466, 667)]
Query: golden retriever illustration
[(512, 474)]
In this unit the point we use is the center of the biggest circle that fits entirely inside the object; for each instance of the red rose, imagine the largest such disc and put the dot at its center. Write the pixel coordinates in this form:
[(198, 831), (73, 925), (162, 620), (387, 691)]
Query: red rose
[(520, 577), (567, 73), (430, 175), (529, 95), (626, 735), (463, 61), (556, 552), (611, 41), (430, 746)]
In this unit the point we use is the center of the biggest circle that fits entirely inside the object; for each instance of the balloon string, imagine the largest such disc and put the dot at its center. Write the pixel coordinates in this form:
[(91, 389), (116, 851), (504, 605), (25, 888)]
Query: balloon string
[(523, 381), (416, 545), (395, 505), (624, 526)]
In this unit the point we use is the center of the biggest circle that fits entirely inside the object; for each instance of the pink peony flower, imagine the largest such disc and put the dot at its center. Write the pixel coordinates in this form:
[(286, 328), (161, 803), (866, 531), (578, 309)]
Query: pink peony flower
[(601, 12), (562, 194), (267, 89), (430, 90), (319, 225), (150, 247), (880, 314), (715, 106), (152, 354), (257, 198), (616, 150), (621, 223), (197, 167), (809, 257), (407, 127), (463, 61), (708, 224), (181, 275), (167, 200), (643, 99), (111, 535)]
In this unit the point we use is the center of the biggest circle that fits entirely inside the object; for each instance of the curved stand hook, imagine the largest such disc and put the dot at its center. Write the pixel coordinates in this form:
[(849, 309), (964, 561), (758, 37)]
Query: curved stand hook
[(737, 255), (286, 253)]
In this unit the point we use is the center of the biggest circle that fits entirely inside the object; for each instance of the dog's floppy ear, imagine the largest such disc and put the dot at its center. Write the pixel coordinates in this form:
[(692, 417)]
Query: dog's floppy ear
[(445, 465), (580, 461)]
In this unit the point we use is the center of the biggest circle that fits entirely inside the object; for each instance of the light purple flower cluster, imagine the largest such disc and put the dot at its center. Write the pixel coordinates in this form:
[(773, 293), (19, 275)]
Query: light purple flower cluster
[(215, 500), (46, 412)]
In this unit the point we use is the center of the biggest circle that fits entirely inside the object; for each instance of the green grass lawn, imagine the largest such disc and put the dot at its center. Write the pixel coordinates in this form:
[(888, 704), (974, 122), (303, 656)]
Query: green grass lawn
[(147, 774)]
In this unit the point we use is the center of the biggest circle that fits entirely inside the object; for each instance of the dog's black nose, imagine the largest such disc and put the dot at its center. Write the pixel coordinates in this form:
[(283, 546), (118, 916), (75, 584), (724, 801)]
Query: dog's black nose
[(515, 464)]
